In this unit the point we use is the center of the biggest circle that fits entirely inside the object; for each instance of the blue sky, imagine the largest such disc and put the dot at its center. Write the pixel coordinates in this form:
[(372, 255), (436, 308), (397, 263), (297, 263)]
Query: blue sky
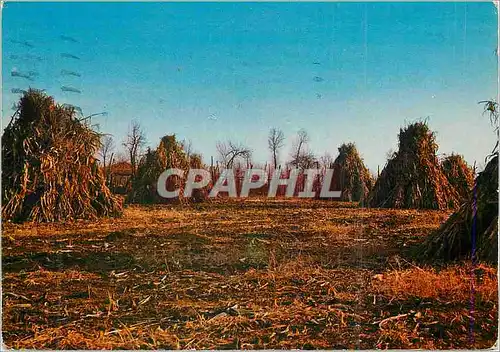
[(218, 71)]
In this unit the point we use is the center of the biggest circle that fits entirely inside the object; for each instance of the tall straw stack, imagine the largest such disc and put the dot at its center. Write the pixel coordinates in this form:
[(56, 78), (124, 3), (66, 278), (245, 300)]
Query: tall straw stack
[(49, 170), (461, 235), (459, 174), (351, 175), (169, 154), (413, 177)]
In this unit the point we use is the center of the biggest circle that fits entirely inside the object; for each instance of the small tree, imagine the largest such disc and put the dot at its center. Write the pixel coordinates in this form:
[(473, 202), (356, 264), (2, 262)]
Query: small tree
[(275, 142), (301, 157), (327, 161), (301, 142), (187, 146), (230, 151), (134, 141), (106, 153)]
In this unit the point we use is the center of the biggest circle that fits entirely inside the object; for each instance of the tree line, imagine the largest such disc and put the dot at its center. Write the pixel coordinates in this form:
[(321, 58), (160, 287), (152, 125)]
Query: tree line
[(230, 153)]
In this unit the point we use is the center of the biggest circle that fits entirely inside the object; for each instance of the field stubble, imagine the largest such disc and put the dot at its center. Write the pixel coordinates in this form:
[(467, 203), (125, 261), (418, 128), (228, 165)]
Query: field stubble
[(239, 275)]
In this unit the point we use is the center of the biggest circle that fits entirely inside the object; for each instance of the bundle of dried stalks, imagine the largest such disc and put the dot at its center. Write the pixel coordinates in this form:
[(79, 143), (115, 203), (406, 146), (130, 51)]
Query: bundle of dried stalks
[(463, 234), (168, 155), (413, 177), (49, 170), (351, 174), (459, 174), (199, 195)]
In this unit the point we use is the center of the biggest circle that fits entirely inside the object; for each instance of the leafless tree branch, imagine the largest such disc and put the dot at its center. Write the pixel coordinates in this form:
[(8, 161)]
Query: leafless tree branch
[(301, 157), (133, 143), (275, 142), (106, 152), (230, 151)]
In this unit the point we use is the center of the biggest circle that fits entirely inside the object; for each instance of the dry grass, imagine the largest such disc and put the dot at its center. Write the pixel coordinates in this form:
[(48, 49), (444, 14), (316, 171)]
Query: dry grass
[(452, 284), (448, 301), (233, 274)]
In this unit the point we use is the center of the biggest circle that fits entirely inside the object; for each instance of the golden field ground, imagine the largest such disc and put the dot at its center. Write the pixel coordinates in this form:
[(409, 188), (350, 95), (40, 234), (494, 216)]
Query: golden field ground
[(242, 275)]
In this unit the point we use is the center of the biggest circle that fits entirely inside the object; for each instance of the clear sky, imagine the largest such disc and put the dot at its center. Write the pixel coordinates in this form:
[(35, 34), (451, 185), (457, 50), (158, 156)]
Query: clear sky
[(217, 71)]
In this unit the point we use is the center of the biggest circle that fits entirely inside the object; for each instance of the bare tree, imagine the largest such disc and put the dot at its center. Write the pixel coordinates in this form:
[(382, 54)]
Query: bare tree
[(106, 152), (275, 142), (301, 157), (134, 141), (187, 146), (305, 160), (301, 142), (231, 151), (120, 157), (327, 160)]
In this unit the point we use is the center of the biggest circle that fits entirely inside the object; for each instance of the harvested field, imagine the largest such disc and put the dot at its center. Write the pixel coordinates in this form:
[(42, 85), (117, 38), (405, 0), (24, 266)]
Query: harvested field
[(241, 275)]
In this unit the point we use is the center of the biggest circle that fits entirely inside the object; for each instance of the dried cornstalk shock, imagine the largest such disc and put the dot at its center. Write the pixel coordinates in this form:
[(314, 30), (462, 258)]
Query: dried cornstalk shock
[(351, 175), (169, 154), (49, 170), (413, 177), (459, 174), (461, 236)]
